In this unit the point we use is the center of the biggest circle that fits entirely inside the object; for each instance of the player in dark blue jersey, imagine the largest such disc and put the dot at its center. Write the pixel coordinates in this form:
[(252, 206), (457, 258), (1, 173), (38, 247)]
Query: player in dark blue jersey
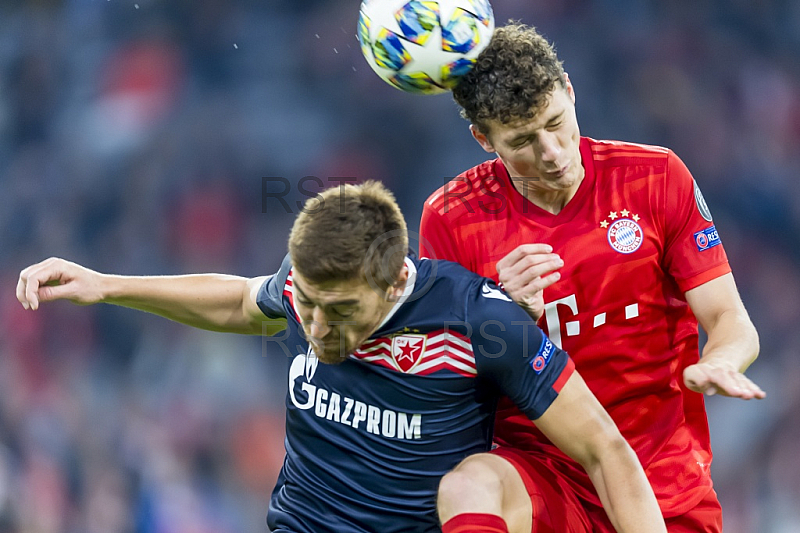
[(418, 353), (408, 403)]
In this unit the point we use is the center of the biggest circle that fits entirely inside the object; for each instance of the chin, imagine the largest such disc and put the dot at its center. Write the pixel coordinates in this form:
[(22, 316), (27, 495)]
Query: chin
[(336, 355), (569, 179), (331, 358)]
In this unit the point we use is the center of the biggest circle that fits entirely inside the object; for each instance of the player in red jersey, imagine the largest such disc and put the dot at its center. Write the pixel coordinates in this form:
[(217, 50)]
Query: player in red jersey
[(612, 247)]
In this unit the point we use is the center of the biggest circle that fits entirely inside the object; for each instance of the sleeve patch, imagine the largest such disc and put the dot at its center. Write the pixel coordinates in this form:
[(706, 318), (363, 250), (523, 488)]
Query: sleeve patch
[(707, 238), (702, 206), (546, 350)]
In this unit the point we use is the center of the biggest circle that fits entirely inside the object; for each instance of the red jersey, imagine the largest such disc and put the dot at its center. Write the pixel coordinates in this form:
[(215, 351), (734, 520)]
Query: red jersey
[(636, 236)]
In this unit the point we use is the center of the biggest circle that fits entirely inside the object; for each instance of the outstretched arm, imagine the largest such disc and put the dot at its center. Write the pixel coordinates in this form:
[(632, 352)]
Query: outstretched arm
[(732, 341), (208, 301), (581, 428)]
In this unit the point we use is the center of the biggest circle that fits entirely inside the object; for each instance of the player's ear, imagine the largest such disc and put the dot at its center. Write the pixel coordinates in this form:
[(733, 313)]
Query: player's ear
[(482, 139), (568, 86), (394, 292)]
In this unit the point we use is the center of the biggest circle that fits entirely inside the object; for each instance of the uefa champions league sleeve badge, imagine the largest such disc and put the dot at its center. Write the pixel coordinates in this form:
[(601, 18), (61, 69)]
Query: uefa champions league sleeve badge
[(702, 206)]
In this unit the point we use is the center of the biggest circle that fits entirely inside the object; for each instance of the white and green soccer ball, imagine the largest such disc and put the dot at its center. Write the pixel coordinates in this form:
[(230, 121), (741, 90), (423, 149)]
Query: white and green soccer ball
[(424, 46)]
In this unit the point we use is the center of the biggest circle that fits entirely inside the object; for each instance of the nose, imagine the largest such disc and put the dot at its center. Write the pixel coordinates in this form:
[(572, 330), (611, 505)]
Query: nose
[(318, 325), (550, 148)]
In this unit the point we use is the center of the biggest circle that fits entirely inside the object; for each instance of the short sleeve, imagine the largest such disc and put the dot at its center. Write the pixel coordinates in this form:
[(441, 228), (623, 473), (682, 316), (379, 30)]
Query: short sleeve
[(693, 251), (270, 295), (512, 352), (436, 239)]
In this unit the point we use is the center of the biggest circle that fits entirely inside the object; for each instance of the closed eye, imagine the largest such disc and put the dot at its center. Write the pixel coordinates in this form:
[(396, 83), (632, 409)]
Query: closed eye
[(344, 311), (519, 143)]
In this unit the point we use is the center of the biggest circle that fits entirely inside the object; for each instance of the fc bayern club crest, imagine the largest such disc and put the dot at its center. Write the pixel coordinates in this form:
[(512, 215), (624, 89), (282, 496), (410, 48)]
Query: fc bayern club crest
[(625, 235), (407, 350)]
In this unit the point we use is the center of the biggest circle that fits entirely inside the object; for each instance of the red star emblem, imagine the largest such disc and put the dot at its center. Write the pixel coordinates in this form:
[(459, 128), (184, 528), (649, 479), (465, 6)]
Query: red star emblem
[(407, 350)]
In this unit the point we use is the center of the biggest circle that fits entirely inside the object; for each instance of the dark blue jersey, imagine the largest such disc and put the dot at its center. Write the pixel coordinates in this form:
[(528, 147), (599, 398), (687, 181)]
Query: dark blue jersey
[(368, 440)]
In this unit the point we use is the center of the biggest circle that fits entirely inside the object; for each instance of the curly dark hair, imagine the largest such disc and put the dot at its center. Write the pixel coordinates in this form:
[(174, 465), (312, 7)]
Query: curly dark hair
[(511, 78)]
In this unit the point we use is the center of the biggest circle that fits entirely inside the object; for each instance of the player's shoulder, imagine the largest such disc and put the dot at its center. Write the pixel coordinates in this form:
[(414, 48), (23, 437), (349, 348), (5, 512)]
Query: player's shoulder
[(274, 297), (442, 280), (445, 276), (475, 291), (608, 153), (460, 196)]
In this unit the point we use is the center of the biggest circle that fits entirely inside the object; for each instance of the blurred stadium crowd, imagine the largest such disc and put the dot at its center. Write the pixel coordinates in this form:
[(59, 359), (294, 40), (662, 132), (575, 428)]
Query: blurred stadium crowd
[(134, 136)]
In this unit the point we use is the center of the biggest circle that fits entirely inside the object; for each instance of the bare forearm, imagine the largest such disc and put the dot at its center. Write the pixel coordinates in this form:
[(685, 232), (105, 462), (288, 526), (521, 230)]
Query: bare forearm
[(625, 492), (581, 428), (732, 339), (208, 301)]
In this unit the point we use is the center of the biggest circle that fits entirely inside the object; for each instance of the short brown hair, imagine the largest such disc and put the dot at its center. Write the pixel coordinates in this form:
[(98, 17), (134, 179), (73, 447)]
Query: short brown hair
[(511, 78), (348, 232)]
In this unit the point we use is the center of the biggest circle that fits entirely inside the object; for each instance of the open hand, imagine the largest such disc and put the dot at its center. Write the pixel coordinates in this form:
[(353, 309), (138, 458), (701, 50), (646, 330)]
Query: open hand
[(720, 378)]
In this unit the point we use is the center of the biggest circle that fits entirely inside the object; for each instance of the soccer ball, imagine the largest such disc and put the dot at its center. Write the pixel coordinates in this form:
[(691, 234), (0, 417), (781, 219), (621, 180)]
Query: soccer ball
[(424, 46)]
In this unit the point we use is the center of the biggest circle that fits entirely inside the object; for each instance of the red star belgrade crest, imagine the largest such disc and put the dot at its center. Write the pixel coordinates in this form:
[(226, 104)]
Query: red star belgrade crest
[(407, 350)]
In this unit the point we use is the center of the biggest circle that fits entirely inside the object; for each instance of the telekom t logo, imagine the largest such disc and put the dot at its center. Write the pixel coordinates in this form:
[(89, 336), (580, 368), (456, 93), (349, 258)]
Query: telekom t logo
[(573, 327)]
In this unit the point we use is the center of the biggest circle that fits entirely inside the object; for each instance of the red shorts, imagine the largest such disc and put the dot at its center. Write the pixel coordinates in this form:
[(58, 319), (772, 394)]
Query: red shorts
[(558, 509)]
